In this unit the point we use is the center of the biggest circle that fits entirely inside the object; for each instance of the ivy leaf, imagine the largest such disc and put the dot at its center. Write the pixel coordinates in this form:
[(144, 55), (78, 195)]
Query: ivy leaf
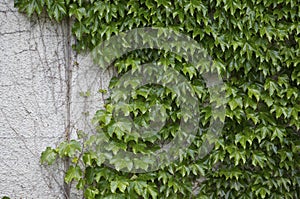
[(190, 70), (73, 173), (259, 158), (69, 148), (122, 163), (235, 102), (152, 192), (143, 163), (103, 117), (271, 86), (58, 9), (242, 139), (254, 91), (48, 156), (79, 29), (262, 192), (30, 6), (139, 186), (90, 193), (120, 184), (279, 133), (237, 156)]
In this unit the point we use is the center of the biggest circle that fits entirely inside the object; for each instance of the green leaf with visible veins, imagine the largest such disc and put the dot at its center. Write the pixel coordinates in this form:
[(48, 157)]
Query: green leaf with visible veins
[(48, 156), (73, 173)]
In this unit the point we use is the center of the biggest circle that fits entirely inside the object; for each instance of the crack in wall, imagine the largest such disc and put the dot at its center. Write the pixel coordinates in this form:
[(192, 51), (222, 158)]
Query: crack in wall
[(13, 32)]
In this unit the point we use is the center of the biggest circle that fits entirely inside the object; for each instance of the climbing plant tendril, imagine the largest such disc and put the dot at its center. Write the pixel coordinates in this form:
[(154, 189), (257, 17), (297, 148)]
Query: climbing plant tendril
[(253, 45)]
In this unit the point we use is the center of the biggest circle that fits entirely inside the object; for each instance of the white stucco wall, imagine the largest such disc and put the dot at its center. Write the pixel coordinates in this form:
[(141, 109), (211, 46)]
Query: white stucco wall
[(33, 89)]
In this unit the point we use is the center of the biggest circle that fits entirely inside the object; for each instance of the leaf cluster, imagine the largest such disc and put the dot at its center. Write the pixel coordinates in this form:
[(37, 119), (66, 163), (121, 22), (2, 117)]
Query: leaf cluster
[(255, 47)]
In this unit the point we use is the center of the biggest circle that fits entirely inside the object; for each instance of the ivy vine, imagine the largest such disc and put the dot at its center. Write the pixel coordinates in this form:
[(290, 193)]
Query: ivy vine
[(255, 47)]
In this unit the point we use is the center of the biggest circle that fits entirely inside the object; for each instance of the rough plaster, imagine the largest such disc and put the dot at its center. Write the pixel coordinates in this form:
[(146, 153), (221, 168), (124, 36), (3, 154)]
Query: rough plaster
[(34, 79)]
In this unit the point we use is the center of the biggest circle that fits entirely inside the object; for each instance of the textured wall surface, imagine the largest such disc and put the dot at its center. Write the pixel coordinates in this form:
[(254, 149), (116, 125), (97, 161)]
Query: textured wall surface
[(36, 85)]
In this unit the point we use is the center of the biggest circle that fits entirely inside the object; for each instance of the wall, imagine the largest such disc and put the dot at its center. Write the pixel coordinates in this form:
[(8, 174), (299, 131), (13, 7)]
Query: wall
[(40, 99)]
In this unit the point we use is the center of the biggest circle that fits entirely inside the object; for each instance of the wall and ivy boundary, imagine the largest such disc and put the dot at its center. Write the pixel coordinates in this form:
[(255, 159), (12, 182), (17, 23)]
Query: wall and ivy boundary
[(254, 46)]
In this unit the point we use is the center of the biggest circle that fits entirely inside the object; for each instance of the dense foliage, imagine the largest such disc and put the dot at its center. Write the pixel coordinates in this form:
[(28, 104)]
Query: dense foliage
[(255, 47)]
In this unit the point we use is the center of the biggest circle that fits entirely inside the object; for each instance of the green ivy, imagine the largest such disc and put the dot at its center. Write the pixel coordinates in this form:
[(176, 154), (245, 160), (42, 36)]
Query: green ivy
[(255, 47)]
